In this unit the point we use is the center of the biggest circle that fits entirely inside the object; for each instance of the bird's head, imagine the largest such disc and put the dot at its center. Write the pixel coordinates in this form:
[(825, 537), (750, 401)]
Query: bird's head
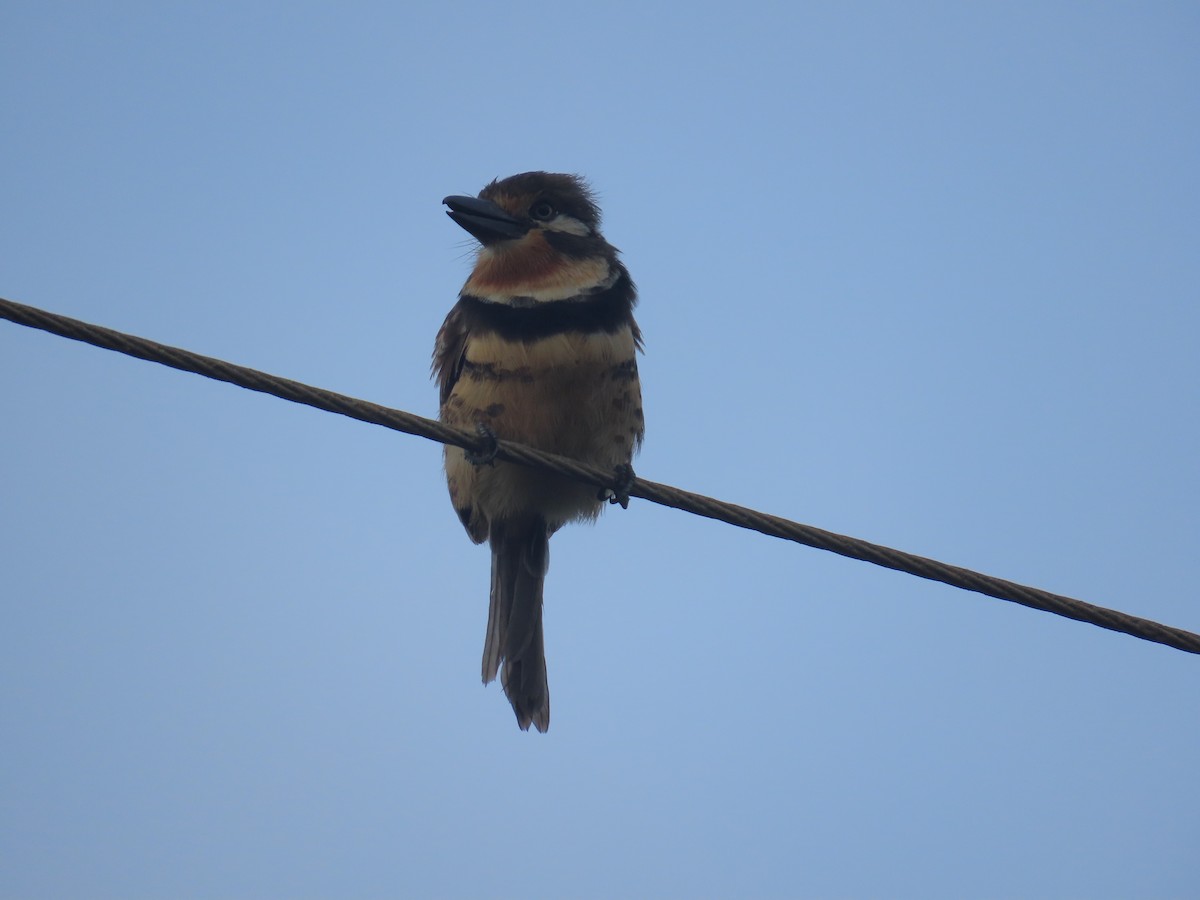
[(539, 239)]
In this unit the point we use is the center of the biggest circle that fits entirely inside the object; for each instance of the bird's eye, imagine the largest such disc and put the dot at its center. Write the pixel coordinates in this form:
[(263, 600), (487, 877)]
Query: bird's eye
[(542, 211)]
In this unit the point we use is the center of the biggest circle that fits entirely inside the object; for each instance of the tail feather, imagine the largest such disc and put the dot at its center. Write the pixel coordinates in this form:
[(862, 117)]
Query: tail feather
[(499, 604), (520, 557)]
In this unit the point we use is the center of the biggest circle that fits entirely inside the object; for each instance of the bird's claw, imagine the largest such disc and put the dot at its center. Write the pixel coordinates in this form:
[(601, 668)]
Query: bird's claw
[(486, 456), (619, 492)]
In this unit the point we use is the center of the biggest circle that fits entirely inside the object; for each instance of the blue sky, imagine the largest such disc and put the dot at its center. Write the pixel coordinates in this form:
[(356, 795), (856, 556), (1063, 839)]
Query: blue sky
[(921, 273)]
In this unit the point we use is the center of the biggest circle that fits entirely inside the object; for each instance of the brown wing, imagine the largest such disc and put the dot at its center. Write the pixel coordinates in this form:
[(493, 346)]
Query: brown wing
[(449, 351), (449, 354)]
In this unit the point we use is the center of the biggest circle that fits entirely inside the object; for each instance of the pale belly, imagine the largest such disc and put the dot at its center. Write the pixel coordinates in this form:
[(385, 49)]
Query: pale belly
[(573, 395)]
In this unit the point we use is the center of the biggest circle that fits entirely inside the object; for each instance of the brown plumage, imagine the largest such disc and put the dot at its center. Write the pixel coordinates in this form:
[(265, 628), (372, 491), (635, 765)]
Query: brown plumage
[(540, 349)]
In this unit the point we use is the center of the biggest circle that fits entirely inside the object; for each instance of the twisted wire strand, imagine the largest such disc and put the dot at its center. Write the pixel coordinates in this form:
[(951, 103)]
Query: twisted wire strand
[(664, 494)]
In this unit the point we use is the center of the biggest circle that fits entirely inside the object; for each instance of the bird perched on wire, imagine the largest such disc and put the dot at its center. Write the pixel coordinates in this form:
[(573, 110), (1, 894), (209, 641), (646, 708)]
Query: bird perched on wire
[(540, 349)]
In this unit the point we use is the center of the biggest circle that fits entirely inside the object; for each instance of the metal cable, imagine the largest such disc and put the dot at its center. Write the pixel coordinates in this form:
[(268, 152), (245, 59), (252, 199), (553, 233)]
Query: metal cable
[(663, 494)]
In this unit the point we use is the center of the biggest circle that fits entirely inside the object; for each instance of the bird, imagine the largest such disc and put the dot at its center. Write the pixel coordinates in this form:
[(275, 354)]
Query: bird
[(541, 349)]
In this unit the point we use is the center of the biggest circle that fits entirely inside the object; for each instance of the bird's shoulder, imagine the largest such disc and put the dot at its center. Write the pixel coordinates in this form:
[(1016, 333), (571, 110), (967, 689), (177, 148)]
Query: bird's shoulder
[(449, 350)]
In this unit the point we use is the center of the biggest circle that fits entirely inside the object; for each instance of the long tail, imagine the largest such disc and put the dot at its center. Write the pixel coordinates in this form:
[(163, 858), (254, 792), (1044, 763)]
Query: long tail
[(520, 557)]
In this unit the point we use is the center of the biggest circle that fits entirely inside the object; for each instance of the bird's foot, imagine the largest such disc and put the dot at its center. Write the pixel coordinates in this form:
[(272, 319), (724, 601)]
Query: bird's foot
[(486, 455), (619, 492)]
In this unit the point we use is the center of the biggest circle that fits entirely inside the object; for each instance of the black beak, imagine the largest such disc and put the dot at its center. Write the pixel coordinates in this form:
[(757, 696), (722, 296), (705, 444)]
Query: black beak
[(484, 219)]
